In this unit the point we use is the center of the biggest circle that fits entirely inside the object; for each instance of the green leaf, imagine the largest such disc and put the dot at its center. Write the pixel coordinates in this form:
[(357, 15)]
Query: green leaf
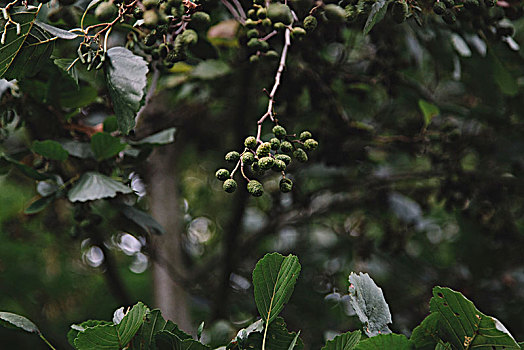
[(463, 326), (429, 111), (346, 341), (367, 300), (126, 81), (39, 205), (278, 338), (112, 336), (78, 98), (65, 64), (142, 219), (92, 186), (106, 146), (77, 328), (274, 279), (160, 138), (504, 79), (9, 319), (385, 341), (153, 324), (166, 340), (210, 69), (78, 149), (425, 336), (377, 13), (56, 32), (27, 170), (50, 149), (23, 55)]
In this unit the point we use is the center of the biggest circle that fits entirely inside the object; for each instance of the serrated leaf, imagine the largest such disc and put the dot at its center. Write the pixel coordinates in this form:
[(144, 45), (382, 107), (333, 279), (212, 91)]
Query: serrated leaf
[(345, 341), (65, 65), (23, 55), (39, 205), (274, 279), (465, 327), (385, 341), (112, 336), (369, 303), (78, 149), (377, 13), (105, 146), (18, 322), (126, 82), (56, 32), (426, 335), (160, 138), (429, 111), (210, 69), (92, 186), (166, 340), (76, 328), (278, 338), (50, 149), (153, 324)]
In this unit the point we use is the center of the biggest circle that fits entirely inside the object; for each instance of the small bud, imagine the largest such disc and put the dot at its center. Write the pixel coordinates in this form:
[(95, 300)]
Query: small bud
[(272, 54), (255, 188), (283, 157), (248, 158), (278, 12), (304, 135), (275, 143), (232, 156), (252, 33), (310, 23), (253, 58), (250, 23), (278, 165), (298, 32), (229, 185), (279, 132), (334, 13), (261, 13), (222, 174), (286, 147), (250, 142), (300, 155), (310, 144), (266, 163), (286, 185)]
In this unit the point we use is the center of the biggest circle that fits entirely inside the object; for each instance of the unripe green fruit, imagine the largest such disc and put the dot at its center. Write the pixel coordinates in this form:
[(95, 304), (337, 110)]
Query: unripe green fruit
[(189, 37), (279, 26), (250, 142), (250, 23), (255, 188), (263, 45), (310, 23), (253, 43), (150, 4), (261, 13), (229, 186), (253, 58), (304, 135), (263, 149), (286, 147), (255, 168), (449, 17), (278, 12), (334, 13), (286, 185), (439, 8), (232, 156), (300, 155), (252, 14), (279, 132), (266, 163), (275, 143), (298, 32), (449, 3), (283, 157), (138, 13), (151, 18), (272, 54), (399, 11), (105, 11), (222, 174), (248, 158), (200, 21), (278, 165), (310, 144), (252, 33), (266, 22)]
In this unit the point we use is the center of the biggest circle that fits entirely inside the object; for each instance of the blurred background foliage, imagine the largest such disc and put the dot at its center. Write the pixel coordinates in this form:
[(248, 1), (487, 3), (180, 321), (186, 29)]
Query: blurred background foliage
[(418, 181)]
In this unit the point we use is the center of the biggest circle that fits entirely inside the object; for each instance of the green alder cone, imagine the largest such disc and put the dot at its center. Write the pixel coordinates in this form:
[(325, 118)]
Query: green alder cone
[(449, 3), (232, 156), (283, 157), (229, 186), (266, 163), (304, 135), (248, 158), (439, 8), (275, 143), (334, 13), (255, 188), (300, 155), (310, 144), (263, 149), (279, 132), (200, 20), (250, 142), (222, 174), (279, 165), (286, 147), (285, 185), (310, 23), (449, 17), (151, 19), (400, 11), (105, 11), (471, 4), (272, 54), (189, 37), (278, 12), (252, 33)]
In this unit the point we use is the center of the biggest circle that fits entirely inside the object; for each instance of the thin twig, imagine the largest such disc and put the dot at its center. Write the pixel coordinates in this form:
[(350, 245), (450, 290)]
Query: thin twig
[(240, 9), (233, 11)]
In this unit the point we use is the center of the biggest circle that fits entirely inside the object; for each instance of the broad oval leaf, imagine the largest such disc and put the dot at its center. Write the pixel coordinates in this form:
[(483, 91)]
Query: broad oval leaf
[(385, 341), (92, 186), (50, 149), (126, 82), (274, 279), (18, 322), (377, 13), (160, 138), (166, 340), (39, 205), (345, 341), (278, 338), (369, 303), (106, 146), (56, 32)]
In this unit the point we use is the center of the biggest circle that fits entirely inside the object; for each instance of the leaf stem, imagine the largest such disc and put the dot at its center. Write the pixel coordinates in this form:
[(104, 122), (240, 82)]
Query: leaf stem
[(46, 341)]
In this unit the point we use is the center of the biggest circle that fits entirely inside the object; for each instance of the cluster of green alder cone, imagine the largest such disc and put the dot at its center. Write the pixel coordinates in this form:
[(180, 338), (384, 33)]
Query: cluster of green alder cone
[(259, 157)]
